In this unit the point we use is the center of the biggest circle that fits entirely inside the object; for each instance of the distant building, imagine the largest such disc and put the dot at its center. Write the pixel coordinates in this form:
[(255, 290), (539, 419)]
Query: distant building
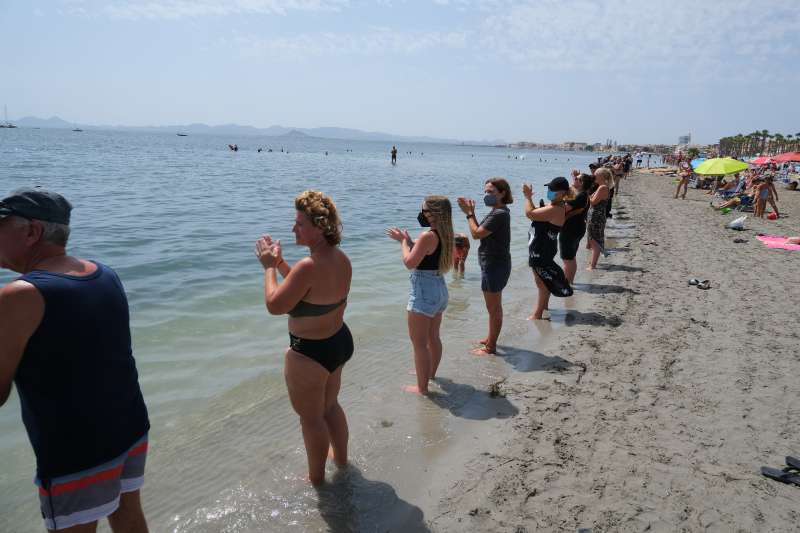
[(685, 139)]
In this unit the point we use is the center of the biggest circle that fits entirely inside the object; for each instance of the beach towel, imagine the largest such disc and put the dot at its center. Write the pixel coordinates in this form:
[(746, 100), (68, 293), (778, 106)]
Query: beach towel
[(776, 241)]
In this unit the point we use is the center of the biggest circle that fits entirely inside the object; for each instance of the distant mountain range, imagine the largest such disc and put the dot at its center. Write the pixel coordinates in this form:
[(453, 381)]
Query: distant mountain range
[(236, 129)]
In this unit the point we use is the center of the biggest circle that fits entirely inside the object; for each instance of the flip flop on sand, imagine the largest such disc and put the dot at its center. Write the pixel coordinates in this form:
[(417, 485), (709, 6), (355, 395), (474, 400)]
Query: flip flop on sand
[(694, 281), (781, 475), (705, 285), (792, 463), (739, 240)]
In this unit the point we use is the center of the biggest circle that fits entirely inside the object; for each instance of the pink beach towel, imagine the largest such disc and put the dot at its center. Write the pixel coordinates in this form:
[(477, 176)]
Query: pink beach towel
[(776, 241)]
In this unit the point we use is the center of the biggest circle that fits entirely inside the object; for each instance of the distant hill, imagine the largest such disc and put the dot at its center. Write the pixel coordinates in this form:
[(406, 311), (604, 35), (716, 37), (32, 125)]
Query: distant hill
[(237, 129), (36, 122)]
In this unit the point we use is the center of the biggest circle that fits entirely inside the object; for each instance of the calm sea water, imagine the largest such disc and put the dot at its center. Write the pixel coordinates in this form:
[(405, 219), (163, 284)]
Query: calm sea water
[(177, 218)]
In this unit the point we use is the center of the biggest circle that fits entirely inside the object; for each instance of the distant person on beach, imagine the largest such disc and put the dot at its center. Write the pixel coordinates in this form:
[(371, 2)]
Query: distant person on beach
[(394, 155), (685, 172), (597, 216), (765, 192), (65, 342), (429, 258), (546, 223), (494, 254), (460, 253), (618, 169), (574, 228), (314, 295)]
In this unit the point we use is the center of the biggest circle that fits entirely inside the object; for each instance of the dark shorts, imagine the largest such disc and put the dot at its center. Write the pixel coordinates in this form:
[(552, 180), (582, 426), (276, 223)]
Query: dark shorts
[(494, 276), (568, 245)]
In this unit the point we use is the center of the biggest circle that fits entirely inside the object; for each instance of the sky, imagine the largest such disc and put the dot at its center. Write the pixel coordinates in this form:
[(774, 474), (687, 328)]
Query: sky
[(642, 71)]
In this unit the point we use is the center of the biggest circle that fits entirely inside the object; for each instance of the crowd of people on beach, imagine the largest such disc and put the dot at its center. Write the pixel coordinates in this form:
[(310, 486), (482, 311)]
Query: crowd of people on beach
[(65, 325)]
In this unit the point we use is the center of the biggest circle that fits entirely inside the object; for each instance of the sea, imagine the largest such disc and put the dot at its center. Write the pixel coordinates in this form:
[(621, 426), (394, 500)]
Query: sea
[(177, 218)]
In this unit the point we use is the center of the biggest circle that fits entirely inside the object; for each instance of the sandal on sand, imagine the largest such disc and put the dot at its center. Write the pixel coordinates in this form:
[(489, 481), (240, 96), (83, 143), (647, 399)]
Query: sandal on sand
[(792, 463), (780, 475), (705, 285), (694, 281), (739, 240)]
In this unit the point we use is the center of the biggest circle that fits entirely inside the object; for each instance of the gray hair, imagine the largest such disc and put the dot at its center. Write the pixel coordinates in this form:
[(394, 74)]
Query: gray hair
[(52, 233)]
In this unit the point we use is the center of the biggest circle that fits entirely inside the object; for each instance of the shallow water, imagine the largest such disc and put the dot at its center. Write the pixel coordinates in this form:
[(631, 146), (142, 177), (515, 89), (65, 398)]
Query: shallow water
[(177, 218)]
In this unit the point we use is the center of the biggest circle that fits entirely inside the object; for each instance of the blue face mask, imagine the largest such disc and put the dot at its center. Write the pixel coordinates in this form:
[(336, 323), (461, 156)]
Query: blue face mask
[(490, 200), (551, 195)]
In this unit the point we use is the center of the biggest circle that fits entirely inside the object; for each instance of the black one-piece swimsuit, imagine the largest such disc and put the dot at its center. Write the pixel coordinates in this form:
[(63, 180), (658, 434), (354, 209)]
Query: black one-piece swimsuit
[(542, 249)]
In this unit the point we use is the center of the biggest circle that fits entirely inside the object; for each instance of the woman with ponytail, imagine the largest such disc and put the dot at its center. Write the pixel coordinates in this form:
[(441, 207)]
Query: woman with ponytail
[(428, 258)]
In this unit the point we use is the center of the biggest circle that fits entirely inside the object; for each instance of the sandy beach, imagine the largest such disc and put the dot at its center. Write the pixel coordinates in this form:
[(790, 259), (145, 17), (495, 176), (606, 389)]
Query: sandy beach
[(671, 397)]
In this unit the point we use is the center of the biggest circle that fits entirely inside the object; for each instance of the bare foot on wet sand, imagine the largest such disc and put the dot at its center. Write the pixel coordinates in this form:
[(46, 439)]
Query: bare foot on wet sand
[(485, 350), (413, 389)]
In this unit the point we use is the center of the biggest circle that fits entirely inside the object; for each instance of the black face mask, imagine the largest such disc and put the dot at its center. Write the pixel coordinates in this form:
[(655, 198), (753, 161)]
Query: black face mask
[(422, 220)]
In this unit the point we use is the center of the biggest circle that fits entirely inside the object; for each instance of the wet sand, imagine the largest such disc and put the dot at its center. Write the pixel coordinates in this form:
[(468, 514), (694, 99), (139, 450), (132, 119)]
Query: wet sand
[(669, 398)]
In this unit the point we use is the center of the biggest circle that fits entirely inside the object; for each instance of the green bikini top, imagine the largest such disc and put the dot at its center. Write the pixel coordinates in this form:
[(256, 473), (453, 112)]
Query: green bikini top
[(304, 308)]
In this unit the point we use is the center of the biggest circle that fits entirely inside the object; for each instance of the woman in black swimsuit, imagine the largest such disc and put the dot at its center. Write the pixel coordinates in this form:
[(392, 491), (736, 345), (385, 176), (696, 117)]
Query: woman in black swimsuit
[(574, 229), (314, 295), (546, 222)]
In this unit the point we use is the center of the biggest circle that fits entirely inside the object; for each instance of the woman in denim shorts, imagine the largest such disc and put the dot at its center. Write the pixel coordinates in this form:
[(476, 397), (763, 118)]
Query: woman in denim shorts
[(428, 258)]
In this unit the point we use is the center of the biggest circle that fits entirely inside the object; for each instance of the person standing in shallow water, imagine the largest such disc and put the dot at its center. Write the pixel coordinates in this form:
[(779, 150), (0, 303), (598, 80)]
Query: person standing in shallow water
[(597, 216), (546, 223), (494, 253), (574, 228), (314, 295), (65, 341), (429, 259), (394, 155)]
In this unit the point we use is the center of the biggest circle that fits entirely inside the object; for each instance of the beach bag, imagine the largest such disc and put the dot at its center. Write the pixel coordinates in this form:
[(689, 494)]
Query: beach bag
[(737, 223)]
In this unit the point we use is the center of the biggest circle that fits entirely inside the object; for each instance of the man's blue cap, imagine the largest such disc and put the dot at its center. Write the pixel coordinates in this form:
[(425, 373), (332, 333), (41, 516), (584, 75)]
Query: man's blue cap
[(36, 203)]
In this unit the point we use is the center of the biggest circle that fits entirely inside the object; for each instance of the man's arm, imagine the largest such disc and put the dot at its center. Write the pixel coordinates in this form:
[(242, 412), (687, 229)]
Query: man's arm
[(21, 311)]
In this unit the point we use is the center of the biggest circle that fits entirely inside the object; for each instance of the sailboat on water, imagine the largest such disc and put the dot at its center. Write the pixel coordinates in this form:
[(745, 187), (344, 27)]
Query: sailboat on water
[(6, 124)]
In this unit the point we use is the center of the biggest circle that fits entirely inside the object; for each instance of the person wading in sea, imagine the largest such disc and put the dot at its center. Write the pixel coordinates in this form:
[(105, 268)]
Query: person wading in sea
[(314, 295), (65, 341)]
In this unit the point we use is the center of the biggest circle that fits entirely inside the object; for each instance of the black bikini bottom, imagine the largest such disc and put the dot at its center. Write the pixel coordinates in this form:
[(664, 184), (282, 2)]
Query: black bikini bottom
[(331, 353)]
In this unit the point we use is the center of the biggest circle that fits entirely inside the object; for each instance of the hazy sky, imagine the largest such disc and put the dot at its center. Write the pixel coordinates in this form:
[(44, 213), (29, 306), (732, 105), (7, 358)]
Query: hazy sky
[(547, 71)]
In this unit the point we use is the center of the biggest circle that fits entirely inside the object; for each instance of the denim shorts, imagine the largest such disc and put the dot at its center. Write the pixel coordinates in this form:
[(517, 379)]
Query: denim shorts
[(428, 295), (494, 275)]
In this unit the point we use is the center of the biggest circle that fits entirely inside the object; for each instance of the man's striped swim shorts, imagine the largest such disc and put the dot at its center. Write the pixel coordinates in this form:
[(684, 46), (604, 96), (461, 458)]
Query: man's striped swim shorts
[(94, 493)]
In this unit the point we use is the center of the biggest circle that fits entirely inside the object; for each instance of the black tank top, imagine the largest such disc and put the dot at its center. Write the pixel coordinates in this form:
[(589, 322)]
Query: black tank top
[(431, 261), (542, 243)]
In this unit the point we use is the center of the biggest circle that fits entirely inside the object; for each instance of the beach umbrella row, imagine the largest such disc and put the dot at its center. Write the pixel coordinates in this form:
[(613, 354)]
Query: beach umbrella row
[(787, 157)]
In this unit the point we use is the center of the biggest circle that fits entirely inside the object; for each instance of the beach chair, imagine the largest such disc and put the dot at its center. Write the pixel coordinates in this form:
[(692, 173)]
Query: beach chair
[(732, 192), (745, 204)]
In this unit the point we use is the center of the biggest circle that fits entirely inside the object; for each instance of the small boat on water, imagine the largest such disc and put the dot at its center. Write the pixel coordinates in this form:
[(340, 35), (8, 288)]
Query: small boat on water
[(181, 134), (6, 123), (77, 129)]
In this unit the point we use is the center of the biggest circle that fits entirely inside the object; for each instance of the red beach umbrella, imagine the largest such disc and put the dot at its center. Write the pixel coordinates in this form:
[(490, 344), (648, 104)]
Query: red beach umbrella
[(763, 160), (788, 156)]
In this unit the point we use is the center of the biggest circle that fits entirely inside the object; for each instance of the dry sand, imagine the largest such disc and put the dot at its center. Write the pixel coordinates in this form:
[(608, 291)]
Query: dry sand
[(685, 392)]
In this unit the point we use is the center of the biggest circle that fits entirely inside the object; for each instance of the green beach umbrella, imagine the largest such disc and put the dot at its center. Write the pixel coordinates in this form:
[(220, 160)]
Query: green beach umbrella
[(720, 166)]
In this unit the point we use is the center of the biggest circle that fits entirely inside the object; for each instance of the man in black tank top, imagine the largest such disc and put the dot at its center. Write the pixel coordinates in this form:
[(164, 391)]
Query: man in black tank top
[(65, 342)]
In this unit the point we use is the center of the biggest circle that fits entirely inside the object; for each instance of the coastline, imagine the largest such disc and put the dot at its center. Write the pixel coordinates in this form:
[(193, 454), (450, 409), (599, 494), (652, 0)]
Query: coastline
[(685, 394)]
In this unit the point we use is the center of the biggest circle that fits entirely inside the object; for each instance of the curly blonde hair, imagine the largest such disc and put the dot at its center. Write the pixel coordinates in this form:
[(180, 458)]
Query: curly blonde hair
[(322, 213)]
